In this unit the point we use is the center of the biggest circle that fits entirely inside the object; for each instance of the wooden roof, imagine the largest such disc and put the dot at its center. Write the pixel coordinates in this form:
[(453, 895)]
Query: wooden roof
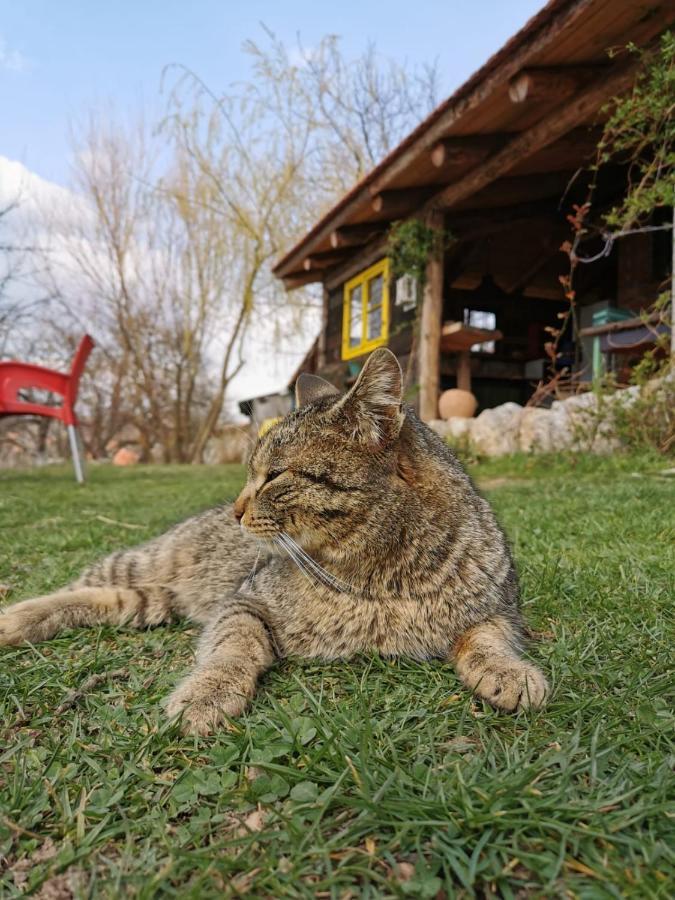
[(529, 111)]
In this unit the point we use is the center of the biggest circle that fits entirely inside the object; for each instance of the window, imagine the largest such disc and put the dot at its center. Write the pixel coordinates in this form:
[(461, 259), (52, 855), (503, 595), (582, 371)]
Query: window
[(479, 318), (365, 321)]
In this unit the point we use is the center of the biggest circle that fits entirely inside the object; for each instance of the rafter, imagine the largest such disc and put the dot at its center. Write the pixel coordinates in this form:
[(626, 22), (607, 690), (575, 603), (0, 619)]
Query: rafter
[(466, 151), (393, 204), (324, 259), (300, 279), (354, 235), (552, 83), (586, 103)]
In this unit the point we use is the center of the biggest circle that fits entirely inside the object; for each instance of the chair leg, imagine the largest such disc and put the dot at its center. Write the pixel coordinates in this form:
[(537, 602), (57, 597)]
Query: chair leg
[(75, 451)]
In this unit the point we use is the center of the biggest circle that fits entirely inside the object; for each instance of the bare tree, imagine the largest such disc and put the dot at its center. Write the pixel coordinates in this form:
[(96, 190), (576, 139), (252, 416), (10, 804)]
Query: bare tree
[(21, 293), (355, 110), (172, 255)]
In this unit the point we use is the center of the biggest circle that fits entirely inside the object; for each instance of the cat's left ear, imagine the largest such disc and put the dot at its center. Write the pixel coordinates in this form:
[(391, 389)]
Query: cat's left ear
[(373, 406), (310, 387)]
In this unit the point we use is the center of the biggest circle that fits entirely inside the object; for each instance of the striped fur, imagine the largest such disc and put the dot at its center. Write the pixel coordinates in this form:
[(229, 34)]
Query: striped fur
[(360, 532)]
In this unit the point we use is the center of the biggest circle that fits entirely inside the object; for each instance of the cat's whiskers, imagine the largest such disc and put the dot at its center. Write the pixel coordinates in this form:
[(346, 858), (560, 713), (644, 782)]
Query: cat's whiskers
[(299, 555), (247, 584), (311, 578), (338, 583), (326, 577)]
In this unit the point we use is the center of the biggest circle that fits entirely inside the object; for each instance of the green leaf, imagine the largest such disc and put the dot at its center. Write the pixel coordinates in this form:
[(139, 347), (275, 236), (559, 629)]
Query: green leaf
[(304, 792)]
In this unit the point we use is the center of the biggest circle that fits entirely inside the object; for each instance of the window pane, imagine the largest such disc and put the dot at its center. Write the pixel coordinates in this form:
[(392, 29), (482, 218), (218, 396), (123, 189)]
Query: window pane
[(375, 286), (355, 313), (375, 290), (374, 323), (480, 318)]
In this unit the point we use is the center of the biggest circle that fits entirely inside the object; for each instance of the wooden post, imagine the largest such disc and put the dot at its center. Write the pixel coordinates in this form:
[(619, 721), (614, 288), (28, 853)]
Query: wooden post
[(464, 370), (672, 291), (321, 349), (430, 331)]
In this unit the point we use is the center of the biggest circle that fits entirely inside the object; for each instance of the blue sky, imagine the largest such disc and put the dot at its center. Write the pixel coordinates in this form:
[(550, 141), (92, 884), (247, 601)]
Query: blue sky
[(60, 58)]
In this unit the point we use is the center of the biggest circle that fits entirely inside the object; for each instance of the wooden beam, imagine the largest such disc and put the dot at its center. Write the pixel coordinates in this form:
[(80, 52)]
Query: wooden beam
[(484, 86), (586, 103), (552, 83), (394, 204), (513, 190), (466, 151), (325, 259), (430, 331), (472, 224), (534, 42), (321, 340), (355, 235), (300, 279), (576, 148), (367, 256)]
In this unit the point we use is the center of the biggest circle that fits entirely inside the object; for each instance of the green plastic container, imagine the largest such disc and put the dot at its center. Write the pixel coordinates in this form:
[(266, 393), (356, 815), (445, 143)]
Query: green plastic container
[(604, 317)]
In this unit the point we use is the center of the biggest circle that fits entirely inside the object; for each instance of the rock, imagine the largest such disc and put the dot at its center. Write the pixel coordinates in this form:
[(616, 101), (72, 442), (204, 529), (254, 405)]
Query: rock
[(584, 422), (588, 422), (459, 429), (536, 429), (457, 403), (560, 428), (456, 431), (495, 431), (126, 457), (581, 404), (440, 426)]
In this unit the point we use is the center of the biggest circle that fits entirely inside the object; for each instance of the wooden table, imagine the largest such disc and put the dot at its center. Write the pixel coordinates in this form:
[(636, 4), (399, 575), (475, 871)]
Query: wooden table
[(456, 337)]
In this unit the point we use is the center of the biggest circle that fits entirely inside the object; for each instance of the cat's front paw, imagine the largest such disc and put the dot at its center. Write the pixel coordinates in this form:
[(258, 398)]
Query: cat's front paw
[(205, 700), (509, 685), (19, 624)]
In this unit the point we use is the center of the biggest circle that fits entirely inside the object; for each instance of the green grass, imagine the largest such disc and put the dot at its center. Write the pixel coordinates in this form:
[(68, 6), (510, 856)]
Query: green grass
[(360, 779)]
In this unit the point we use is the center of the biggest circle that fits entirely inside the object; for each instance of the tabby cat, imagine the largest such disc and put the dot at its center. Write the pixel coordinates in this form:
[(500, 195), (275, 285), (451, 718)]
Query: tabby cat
[(357, 531)]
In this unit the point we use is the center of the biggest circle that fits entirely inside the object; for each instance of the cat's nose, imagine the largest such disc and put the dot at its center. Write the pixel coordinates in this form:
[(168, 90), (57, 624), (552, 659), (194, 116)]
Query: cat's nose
[(240, 504), (239, 509)]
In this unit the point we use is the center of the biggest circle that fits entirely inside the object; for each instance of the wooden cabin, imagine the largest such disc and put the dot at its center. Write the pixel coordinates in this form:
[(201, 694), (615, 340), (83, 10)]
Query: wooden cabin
[(499, 166)]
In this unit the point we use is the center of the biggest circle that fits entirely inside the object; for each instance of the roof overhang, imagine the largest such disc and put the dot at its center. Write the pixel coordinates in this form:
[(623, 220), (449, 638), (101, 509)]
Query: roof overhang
[(531, 110)]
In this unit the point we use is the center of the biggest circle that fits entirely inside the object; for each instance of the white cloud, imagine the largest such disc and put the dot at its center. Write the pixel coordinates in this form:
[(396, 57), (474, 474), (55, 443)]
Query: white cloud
[(12, 60), (33, 193)]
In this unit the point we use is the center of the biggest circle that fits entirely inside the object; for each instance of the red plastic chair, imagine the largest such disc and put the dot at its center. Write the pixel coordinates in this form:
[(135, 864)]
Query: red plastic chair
[(17, 376)]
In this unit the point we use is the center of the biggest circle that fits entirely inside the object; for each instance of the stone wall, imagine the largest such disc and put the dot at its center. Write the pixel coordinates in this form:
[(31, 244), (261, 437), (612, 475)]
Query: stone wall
[(577, 423)]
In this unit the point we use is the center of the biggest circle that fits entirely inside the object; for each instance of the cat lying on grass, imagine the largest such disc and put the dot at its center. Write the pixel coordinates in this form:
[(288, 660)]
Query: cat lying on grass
[(357, 531)]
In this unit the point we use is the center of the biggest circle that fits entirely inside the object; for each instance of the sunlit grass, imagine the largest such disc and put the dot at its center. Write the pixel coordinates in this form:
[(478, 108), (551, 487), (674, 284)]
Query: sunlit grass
[(383, 779)]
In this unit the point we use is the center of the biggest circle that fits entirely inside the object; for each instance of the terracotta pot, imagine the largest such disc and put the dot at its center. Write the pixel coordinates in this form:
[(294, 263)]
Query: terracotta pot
[(126, 457), (457, 404)]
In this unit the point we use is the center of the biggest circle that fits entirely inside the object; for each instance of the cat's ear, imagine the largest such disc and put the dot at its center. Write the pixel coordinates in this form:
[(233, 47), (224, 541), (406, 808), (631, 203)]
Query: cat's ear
[(373, 405), (310, 387)]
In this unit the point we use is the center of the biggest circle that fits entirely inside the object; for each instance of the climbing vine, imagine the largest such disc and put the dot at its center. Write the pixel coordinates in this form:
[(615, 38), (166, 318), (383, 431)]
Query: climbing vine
[(410, 246), (639, 133)]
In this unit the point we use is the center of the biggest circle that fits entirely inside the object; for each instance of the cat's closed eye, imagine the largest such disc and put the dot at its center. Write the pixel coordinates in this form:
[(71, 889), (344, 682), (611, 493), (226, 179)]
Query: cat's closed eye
[(272, 475)]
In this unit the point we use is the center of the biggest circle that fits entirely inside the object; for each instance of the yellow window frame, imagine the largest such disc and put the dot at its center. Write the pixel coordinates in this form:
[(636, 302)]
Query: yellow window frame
[(363, 279)]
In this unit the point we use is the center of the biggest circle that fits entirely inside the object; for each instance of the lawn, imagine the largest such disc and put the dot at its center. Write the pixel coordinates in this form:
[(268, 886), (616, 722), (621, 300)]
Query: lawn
[(361, 779)]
